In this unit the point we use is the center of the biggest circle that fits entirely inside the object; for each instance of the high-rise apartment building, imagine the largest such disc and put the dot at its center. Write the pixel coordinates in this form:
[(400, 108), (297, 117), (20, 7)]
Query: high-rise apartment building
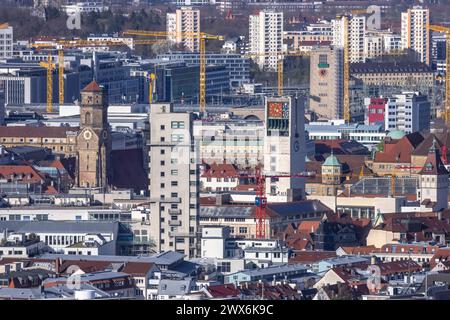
[(355, 30), (415, 35), (182, 26), (327, 82), (284, 148), (173, 184), (408, 112), (265, 38), (6, 41)]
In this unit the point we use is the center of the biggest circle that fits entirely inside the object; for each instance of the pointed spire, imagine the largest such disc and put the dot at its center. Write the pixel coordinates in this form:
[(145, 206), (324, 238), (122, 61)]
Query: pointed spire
[(433, 147)]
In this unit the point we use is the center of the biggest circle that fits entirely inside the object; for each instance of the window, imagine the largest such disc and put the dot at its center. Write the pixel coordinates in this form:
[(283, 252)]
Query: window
[(174, 172), (242, 229), (224, 267), (87, 118), (163, 127), (177, 137), (323, 59), (177, 124), (174, 183)]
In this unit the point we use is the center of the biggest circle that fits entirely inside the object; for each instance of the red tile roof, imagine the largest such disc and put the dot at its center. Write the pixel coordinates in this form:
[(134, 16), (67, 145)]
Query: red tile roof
[(223, 170), (395, 267), (300, 244), (137, 268), (51, 190), (442, 254), (413, 248), (308, 226), (36, 132), (309, 257), (92, 87), (399, 151), (433, 164), (223, 291), (22, 173), (360, 250)]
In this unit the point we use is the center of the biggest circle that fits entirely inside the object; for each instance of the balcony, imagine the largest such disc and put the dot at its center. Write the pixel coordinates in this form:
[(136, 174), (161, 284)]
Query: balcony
[(174, 223), (174, 211), (181, 234), (166, 200)]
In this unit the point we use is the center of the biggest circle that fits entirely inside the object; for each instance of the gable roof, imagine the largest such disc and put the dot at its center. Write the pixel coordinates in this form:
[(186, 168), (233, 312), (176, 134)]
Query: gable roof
[(92, 87), (442, 139), (137, 268), (399, 151), (433, 164)]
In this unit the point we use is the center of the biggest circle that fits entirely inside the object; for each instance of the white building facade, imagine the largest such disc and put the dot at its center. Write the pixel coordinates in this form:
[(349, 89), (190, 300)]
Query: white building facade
[(184, 20), (355, 32), (266, 37), (284, 148), (173, 174), (415, 35)]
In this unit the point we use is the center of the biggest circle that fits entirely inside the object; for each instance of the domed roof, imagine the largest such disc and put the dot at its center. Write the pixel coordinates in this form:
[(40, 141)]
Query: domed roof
[(396, 134), (332, 161)]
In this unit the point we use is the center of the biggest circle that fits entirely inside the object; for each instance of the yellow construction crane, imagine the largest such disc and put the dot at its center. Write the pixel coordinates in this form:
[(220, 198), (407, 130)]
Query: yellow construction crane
[(445, 30), (61, 76), (280, 64), (76, 43), (50, 66), (151, 84), (202, 37)]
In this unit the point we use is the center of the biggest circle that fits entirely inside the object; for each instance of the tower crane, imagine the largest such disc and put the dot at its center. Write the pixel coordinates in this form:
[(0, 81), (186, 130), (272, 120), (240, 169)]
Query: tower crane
[(261, 199), (50, 66), (445, 30), (76, 43), (202, 37), (280, 64)]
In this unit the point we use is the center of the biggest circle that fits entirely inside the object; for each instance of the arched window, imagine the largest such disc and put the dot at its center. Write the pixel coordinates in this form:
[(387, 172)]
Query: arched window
[(87, 118)]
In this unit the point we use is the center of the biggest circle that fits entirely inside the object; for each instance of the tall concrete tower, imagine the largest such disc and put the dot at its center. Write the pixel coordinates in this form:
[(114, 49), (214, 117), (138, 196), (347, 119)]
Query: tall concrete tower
[(284, 148)]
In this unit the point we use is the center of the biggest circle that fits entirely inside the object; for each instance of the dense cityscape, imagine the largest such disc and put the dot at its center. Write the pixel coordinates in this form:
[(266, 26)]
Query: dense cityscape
[(224, 150)]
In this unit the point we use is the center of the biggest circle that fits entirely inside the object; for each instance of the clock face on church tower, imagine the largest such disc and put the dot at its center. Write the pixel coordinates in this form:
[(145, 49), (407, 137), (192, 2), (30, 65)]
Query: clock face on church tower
[(87, 135)]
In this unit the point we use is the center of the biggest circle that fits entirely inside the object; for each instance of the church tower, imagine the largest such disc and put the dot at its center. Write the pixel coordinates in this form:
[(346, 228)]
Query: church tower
[(94, 139), (433, 182), (331, 175)]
